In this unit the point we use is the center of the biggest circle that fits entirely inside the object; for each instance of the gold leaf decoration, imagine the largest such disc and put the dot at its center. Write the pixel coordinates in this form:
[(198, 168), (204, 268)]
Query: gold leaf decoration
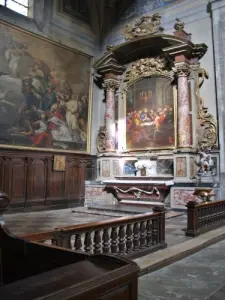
[(146, 67), (147, 25), (207, 120)]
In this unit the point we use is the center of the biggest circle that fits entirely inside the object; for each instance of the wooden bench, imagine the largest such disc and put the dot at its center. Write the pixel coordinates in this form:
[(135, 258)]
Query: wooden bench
[(31, 270)]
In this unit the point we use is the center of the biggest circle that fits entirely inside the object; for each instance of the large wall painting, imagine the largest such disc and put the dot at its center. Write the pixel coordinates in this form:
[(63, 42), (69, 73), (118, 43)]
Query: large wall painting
[(150, 114), (45, 100)]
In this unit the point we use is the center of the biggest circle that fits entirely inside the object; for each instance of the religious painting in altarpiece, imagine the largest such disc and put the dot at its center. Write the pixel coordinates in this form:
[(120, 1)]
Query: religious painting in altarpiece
[(150, 114), (44, 93)]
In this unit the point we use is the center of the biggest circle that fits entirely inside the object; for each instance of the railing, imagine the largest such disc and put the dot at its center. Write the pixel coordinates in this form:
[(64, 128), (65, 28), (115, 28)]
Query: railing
[(204, 216), (127, 236)]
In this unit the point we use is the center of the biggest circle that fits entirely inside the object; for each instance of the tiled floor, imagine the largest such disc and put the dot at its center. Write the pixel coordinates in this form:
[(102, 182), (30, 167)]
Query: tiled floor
[(197, 277), (22, 223)]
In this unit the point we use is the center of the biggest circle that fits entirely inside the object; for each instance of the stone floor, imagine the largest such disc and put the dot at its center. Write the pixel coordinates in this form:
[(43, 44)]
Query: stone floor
[(22, 223), (197, 277)]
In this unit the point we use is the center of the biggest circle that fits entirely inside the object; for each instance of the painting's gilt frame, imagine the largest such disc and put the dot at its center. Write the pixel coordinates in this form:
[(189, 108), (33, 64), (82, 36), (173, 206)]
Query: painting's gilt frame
[(149, 68), (90, 95)]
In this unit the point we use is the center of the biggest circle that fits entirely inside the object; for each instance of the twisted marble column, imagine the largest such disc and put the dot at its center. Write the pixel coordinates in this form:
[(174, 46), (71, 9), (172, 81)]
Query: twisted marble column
[(184, 133), (110, 86)]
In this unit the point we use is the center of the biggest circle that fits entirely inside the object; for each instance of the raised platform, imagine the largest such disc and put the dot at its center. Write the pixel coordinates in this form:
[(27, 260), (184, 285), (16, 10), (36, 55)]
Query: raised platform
[(123, 208)]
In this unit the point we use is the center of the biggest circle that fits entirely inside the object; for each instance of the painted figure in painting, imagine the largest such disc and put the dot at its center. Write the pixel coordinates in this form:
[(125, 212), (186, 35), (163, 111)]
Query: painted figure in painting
[(40, 104), (150, 114)]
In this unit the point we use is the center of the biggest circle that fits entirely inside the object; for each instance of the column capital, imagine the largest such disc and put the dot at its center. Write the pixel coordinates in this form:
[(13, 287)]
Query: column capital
[(182, 69), (111, 84)]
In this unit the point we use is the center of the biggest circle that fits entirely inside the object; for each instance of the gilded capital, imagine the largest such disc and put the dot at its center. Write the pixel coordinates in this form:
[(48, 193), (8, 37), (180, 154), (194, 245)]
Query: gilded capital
[(111, 84), (183, 69)]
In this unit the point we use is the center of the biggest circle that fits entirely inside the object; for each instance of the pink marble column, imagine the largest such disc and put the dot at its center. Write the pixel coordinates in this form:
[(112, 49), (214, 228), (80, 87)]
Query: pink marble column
[(110, 86), (184, 134)]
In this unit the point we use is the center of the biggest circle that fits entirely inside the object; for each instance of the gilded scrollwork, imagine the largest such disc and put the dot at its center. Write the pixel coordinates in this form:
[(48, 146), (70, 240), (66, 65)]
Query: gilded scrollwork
[(101, 139), (146, 67), (209, 137), (145, 26)]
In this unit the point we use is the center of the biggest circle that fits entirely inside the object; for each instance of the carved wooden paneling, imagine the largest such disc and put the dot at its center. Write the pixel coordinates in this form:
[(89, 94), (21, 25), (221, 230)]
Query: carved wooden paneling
[(57, 181), (72, 180), (28, 178), (36, 187), (18, 180), (2, 174)]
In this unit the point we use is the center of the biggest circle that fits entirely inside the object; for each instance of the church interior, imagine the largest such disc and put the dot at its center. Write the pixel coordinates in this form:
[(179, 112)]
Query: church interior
[(112, 149)]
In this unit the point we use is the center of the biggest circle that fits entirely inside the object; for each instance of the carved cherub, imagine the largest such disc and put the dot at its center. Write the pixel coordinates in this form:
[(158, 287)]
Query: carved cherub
[(205, 163)]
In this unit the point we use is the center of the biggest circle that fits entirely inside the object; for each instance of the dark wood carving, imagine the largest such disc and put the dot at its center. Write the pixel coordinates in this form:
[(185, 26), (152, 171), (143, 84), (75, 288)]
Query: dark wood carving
[(31, 271), (29, 180)]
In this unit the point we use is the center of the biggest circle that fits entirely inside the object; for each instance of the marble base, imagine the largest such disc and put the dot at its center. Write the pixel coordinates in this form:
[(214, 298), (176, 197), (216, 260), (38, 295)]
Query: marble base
[(180, 196), (95, 194)]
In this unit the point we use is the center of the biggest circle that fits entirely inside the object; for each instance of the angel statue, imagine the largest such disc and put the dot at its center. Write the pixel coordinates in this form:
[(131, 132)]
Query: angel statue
[(205, 163), (206, 167)]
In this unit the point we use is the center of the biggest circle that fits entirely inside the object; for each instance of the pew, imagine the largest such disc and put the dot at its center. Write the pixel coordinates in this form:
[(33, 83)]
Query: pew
[(31, 270)]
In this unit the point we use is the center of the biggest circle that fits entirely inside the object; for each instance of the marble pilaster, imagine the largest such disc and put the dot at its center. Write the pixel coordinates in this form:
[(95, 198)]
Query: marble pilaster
[(110, 85), (184, 133)]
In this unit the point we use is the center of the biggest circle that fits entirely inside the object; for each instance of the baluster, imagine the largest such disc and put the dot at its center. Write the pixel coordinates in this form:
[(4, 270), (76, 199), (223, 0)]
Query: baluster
[(136, 237), (65, 241), (149, 233), (121, 239), (87, 242), (154, 231), (114, 240), (105, 238), (97, 242), (54, 241), (78, 242), (129, 238), (142, 235)]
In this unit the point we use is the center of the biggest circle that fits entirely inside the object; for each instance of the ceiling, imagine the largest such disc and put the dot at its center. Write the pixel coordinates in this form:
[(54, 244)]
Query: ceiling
[(100, 14)]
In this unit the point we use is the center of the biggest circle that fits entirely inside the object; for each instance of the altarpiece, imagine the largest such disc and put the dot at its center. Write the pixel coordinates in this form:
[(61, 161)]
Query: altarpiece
[(153, 112)]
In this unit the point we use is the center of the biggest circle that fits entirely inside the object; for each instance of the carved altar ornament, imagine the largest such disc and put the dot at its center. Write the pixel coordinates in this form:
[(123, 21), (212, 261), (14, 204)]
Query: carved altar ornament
[(205, 163), (146, 67), (208, 121), (111, 84), (145, 26), (138, 193), (182, 69), (101, 139), (179, 25)]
